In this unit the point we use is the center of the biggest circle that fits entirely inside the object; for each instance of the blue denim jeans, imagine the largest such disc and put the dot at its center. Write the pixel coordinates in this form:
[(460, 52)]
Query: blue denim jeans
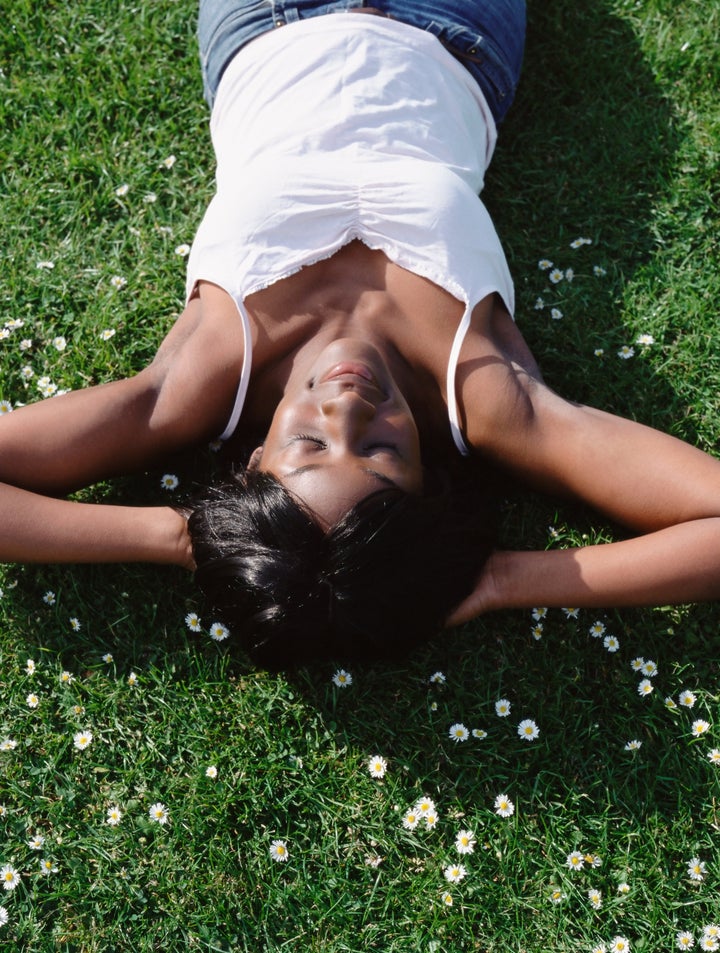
[(486, 36)]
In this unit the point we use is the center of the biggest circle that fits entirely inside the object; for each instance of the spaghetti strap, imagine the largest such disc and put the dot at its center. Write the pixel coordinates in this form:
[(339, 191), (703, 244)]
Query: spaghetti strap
[(450, 384), (244, 376)]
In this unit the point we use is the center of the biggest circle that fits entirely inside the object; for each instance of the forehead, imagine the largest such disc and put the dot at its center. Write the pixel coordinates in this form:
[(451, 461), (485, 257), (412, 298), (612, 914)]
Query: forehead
[(331, 491)]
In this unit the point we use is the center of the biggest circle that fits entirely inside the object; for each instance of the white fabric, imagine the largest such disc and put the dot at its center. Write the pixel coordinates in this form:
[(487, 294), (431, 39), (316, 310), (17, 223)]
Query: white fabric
[(345, 127)]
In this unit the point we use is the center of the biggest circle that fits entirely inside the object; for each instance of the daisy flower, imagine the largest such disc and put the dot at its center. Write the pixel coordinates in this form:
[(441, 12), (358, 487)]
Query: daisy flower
[(169, 481), (595, 898), (454, 873), (633, 745), (211, 772), (569, 274), (539, 304), (593, 860), (113, 816), (649, 668), (714, 755), (539, 612), (342, 679), (4, 916), (169, 162), (684, 940), (182, 250), (32, 701), (626, 352), (597, 629), (446, 898), (66, 678), (537, 631), (465, 842), (479, 733), (712, 930), (75, 624), (279, 850), (458, 732), (645, 687), (9, 877), (623, 888), (696, 869), (620, 945), (437, 678), (431, 820), (699, 727), (47, 867), (108, 333), (575, 860), (528, 730), (504, 807), (545, 264), (637, 664), (670, 702), (571, 612), (122, 190), (5, 407), (645, 340), (36, 842), (159, 813), (411, 819), (59, 343), (557, 896), (611, 643), (425, 806), (192, 621), (687, 698), (579, 242), (599, 948), (118, 282), (599, 271), (8, 744), (219, 632), (49, 598), (132, 679), (708, 943), (107, 657), (599, 352), (502, 708), (82, 739), (377, 766), (556, 276), (149, 198)]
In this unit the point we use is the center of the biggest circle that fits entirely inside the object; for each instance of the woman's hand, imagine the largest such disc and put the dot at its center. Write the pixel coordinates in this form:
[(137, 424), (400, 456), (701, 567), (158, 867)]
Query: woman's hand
[(484, 597)]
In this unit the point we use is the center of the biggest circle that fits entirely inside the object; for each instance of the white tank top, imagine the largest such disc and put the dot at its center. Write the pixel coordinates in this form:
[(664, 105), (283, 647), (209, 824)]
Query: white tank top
[(344, 127)]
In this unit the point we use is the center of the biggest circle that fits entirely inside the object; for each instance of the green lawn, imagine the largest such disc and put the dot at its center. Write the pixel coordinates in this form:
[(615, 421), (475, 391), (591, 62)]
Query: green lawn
[(105, 168)]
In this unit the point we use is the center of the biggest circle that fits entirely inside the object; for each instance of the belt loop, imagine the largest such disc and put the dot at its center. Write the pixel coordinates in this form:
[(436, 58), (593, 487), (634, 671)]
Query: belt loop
[(284, 11)]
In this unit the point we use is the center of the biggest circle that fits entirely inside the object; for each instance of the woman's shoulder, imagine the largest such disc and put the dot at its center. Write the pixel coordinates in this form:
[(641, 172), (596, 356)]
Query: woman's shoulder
[(497, 376)]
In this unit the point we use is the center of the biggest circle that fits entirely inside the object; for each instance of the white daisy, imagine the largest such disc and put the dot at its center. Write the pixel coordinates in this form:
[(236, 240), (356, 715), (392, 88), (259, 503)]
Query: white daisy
[(158, 813), (502, 708), (504, 807), (279, 850), (377, 766), (458, 732), (528, 730), (219, 632)]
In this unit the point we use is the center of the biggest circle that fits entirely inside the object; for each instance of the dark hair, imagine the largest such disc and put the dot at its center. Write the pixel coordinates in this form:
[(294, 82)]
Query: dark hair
[(378, 583)]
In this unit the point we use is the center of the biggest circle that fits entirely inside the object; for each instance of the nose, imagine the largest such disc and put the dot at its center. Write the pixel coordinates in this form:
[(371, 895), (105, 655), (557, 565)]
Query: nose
[(349, 412)]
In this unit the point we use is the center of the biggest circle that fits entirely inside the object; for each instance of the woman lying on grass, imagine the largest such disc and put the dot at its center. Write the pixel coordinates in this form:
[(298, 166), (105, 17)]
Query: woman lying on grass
[(349, 302)]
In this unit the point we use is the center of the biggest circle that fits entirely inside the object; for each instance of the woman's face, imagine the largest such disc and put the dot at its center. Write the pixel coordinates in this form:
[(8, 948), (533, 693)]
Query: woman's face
[(342, 431)]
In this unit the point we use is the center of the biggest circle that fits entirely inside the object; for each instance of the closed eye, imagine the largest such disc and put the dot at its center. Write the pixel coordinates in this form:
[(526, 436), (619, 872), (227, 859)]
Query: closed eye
[(318, 441)]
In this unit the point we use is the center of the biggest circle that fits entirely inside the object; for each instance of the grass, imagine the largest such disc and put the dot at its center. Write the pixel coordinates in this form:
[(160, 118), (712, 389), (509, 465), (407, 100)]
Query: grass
[(615, 136)]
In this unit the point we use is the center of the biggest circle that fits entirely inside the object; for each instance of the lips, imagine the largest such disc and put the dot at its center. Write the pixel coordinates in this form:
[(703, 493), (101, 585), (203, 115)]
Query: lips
[(351, 369)]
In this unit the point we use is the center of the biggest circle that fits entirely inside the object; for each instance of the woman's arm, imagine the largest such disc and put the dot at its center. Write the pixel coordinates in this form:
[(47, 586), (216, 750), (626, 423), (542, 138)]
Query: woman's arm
[(674, 565), (654, 484), (37, 528), (63, 443)]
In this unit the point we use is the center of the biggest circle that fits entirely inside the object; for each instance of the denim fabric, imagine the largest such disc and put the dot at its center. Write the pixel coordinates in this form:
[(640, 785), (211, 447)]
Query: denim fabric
[(486, 36)]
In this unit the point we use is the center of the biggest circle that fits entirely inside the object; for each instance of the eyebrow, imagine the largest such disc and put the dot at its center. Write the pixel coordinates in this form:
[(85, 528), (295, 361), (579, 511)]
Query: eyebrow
[(318, 466)]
